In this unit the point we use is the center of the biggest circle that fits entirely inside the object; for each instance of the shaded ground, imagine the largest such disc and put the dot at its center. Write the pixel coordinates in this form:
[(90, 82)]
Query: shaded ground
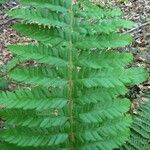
[(136, 10)]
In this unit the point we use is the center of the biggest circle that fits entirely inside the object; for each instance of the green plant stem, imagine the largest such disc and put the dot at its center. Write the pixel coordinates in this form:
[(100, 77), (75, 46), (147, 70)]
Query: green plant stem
[(70, 83)]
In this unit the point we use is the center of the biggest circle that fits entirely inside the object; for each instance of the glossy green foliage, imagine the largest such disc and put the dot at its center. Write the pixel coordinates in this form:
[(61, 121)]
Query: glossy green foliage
[(78, 82), (140, 130)]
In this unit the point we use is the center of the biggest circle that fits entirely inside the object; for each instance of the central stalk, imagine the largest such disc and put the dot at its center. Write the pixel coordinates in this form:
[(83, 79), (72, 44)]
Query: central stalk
[(70, 81)]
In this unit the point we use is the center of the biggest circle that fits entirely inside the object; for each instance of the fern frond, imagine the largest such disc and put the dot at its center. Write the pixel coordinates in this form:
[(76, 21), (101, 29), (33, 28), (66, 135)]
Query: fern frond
[(44, 35), (140, 130), (137, 75), (107, 144), (27, 137), (78, 84), (38, 98), (35, 76), (112, 77), (100, 134), (56, 56), (41, 53), (28, 118), (91, 11), (100, 95), (107, 59), (104, 26), (58, 6), (100, 113), (113, 40), (41, 17)]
